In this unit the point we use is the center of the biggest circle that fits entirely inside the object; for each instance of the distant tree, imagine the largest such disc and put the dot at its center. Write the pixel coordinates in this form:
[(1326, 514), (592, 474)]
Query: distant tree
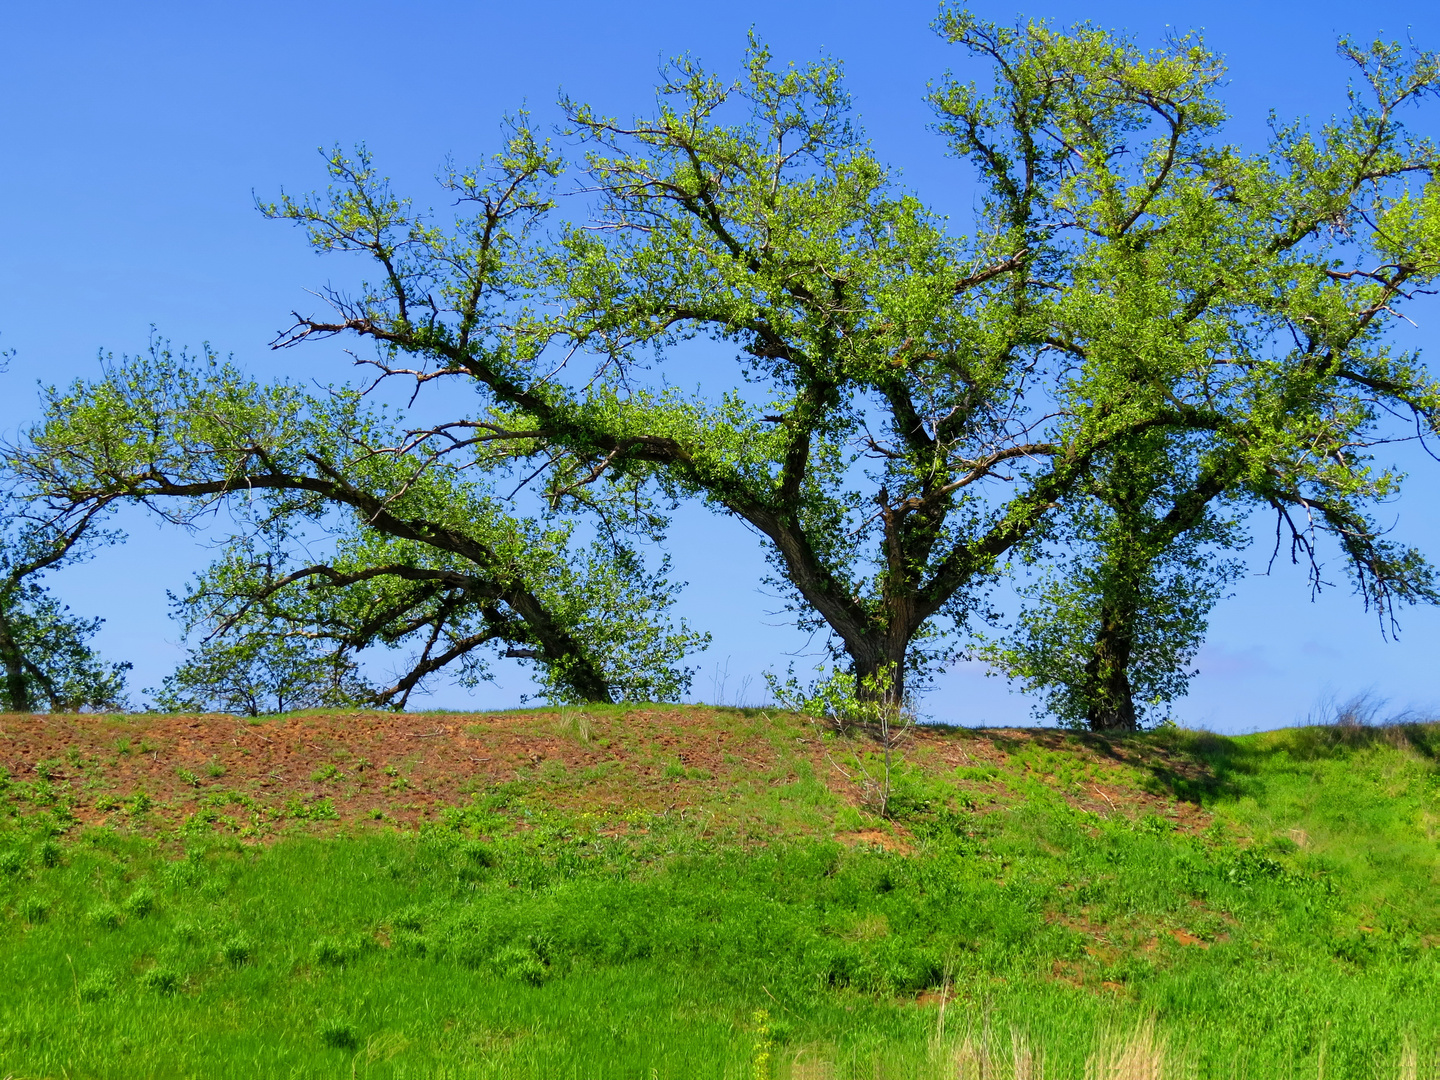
[(254, 674), (45, 650)]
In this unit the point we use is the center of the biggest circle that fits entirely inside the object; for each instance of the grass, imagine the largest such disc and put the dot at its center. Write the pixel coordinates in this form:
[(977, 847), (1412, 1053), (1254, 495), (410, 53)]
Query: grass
[(1040, 905)]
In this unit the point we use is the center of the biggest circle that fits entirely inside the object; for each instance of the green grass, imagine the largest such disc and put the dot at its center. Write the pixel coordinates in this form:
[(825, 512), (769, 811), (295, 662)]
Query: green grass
[(1290, 924)]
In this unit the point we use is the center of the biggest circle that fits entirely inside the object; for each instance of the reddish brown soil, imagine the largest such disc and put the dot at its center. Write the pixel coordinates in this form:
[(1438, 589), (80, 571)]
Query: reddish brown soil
[(405, 769), (369, 765)]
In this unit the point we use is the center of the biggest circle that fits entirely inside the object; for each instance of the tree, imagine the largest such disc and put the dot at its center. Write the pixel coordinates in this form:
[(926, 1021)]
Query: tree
[(256, 673), (45, 651), (420, 551), (917, 404), (1109, 630)]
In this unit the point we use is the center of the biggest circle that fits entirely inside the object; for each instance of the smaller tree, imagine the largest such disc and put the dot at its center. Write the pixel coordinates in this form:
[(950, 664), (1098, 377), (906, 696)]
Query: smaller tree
[(354, 531), (1108, 632), (45, 651)]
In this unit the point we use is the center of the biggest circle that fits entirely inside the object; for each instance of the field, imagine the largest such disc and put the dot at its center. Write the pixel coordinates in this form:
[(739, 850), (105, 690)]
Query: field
[(689, 892)]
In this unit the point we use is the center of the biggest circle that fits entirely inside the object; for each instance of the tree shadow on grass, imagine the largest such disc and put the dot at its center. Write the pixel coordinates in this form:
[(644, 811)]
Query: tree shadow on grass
[(1201, 767)]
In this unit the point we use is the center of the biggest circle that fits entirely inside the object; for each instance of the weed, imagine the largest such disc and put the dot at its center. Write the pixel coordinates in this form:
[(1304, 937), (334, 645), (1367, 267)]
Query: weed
[(236, 950), (98, 985), (332, 951), (106, 915), (338, 1035), (525, 963), (11, 862), (34, 910), (187, 777), (107, 803), (214, 769), (47, 769), (49, 854), (328, 771), (318, 810), (575, 724), (140, 802), (161, 980), (140, 903)]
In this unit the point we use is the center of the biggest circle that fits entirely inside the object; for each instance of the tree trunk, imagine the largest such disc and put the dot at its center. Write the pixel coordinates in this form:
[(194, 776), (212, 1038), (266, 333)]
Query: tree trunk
[(17, 686), (880, 673), (1110, 703)]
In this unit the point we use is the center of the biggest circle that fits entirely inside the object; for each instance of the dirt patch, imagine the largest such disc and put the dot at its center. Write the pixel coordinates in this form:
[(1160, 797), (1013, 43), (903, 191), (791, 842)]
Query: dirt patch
[(877, 838), (382, 766)]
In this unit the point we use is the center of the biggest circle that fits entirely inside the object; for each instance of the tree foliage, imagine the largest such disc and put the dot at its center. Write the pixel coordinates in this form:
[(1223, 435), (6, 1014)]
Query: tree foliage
[(45, 651), (420, 556)]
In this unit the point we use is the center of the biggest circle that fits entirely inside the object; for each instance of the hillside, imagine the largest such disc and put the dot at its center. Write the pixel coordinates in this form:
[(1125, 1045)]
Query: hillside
[(686, 891)]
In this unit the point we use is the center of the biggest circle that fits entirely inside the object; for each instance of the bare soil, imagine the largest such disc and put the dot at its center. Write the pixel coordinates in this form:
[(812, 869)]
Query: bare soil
[(404, 769)]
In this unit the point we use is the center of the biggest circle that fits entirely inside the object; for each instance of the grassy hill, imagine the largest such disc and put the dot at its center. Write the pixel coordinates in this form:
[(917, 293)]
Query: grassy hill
[(684, 891)]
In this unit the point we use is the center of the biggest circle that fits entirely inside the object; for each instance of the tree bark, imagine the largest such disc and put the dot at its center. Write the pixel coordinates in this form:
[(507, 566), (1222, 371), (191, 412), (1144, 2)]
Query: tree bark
[(1111, 704), (17, 686)]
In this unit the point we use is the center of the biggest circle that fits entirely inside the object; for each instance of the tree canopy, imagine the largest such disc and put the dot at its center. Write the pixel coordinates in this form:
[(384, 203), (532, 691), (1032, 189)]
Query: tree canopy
[(419, 552)]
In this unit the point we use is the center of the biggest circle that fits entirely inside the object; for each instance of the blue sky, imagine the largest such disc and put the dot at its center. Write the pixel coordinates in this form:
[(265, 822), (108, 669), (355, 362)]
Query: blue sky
[(135, 134)]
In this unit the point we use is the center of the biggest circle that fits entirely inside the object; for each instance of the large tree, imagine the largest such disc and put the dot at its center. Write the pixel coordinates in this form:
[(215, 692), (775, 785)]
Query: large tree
[(915, 402)]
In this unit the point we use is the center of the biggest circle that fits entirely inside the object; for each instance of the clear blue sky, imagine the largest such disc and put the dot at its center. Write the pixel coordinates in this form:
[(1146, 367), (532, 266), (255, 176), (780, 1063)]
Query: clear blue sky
[(134, 134)]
